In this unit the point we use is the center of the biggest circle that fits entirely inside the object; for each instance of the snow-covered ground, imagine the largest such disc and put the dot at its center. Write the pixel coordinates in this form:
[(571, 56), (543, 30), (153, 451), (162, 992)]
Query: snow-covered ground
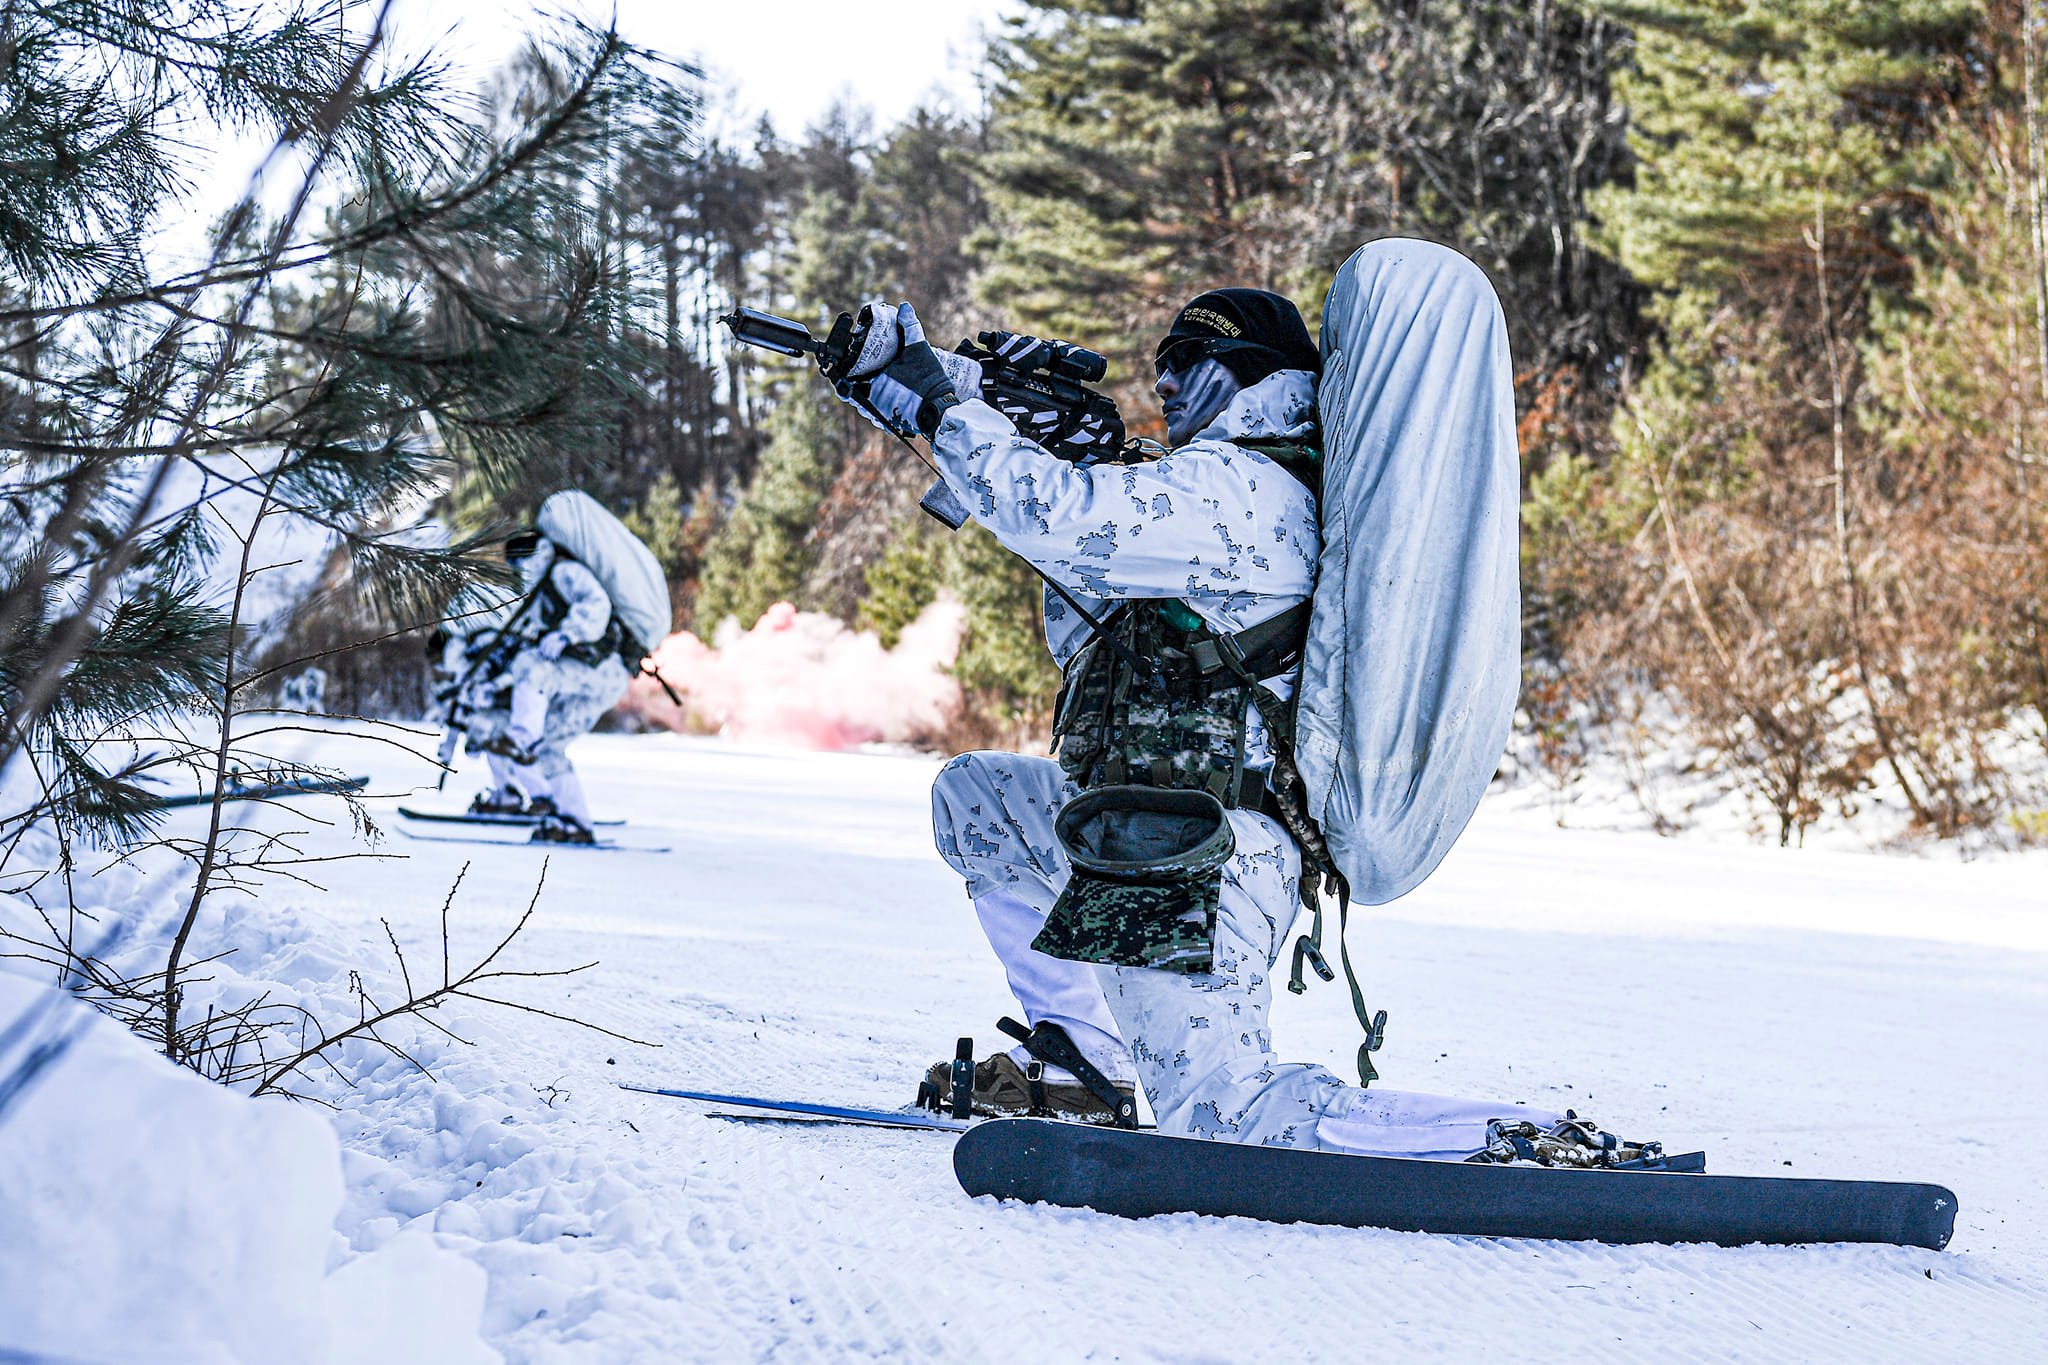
[(1796, 1012)]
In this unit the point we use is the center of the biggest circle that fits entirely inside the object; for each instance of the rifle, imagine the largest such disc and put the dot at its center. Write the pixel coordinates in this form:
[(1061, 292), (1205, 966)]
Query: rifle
[(495, 654), (1040, 385)]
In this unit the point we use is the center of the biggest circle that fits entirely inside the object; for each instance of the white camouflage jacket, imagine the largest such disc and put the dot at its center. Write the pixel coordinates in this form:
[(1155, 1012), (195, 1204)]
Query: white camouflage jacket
[(1220, 527)]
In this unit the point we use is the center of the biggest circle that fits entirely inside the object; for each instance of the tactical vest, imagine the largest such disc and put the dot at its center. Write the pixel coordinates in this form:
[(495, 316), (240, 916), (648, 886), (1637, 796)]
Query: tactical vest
[(554, 608), (1158, 699), (1163, 701)]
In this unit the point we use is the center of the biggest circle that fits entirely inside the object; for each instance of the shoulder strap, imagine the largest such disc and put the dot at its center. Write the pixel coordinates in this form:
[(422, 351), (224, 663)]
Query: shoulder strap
[(1302, 459), (1287, 804), (1271, 647), (1309, 948)]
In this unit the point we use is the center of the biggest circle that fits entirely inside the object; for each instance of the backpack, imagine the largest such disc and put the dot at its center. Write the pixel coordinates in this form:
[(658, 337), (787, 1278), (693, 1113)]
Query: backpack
[(1413, 656), (1413, 659), (623, 566)]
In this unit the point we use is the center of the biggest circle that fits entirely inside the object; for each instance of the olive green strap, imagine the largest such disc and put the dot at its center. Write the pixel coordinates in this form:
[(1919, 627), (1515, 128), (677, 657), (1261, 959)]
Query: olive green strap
[(1308, 948)]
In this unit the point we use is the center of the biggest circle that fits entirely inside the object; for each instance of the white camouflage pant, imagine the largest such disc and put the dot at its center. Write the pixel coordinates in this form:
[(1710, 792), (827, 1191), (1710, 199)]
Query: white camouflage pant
[(1197, 1043), (553, 702)]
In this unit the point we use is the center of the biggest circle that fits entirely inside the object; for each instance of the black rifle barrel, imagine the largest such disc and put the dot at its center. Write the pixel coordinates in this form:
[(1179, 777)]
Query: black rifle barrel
[(776, 334)]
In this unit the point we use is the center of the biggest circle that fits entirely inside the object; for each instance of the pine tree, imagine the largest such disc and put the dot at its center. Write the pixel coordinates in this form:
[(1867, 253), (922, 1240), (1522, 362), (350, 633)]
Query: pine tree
[(1743, 550), (901, 584), (763, 551), (1744, 114), (1004, 671), (457, 302), (1125, 161)]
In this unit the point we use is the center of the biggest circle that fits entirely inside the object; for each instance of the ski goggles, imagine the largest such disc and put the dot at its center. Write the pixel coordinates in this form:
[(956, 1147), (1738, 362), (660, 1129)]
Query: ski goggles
[(1179, 354)]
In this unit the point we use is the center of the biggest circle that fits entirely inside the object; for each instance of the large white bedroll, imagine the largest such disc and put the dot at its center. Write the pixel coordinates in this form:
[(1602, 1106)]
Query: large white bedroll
[(1413, 661), (627, 569)]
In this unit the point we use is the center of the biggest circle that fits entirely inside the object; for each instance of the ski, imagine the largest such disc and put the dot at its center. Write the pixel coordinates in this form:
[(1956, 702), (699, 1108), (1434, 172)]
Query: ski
[(1137, 1175), (802, 1112), (457, 815), (270, 791), (520, 839)]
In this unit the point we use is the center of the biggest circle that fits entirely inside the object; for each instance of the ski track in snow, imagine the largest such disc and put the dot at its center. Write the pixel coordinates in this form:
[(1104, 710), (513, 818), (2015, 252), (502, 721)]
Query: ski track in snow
[(1822, 1014)]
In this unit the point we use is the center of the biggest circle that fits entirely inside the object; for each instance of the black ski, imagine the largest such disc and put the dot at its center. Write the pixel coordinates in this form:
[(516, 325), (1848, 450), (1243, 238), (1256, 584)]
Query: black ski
[(459, 816), (1138, 1175), (518, 837), (270, 791)]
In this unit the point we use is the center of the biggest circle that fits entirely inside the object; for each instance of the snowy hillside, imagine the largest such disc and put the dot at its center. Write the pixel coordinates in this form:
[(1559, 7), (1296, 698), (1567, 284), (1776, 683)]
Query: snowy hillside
[(1809, 1013)]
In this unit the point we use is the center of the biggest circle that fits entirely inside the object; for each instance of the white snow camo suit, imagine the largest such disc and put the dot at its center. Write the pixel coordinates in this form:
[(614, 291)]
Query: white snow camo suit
[(544, 703), (1229, 532)]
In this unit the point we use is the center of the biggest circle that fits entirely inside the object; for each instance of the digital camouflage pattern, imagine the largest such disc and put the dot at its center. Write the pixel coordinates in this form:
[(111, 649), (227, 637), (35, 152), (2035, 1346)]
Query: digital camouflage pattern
[(1172, 729), (1197, 1041), (1213, 537), (578, 690), (1170, 926), (1147, 873), (1223, 528)]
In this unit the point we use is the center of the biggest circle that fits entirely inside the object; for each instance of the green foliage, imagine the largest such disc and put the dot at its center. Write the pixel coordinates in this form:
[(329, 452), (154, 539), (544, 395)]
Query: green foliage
[(1127, 160), (902, 583), (661, 520), (1003, 667), (1746, 116), (763, 551), (457, 302)]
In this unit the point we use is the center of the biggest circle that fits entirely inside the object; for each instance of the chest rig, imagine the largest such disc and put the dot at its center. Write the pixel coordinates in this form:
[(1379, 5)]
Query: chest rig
[(1159, 699), (554, 609)]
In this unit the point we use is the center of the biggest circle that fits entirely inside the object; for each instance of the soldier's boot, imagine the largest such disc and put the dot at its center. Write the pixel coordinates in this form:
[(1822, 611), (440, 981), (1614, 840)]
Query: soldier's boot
[(1003, 1090), (498, 801), (561, 829), (1573, 1142)]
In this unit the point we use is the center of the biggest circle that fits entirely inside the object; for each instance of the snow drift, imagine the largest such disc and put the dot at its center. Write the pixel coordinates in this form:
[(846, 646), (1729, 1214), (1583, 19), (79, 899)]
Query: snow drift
[(804, 679), (153, 1215)]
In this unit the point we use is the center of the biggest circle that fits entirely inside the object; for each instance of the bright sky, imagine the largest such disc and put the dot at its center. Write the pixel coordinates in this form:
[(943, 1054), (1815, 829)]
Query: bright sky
[(788, 59), (785, 58)]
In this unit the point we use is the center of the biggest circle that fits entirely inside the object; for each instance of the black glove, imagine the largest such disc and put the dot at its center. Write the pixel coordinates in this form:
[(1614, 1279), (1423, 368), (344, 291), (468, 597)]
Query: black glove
[(914, 389)]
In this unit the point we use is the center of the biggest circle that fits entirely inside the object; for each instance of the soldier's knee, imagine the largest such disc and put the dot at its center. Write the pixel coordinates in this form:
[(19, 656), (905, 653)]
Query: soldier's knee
[(963, 771)]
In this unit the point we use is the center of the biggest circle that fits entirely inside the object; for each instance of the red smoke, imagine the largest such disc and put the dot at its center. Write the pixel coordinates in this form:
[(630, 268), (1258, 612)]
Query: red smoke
[(804, 679)]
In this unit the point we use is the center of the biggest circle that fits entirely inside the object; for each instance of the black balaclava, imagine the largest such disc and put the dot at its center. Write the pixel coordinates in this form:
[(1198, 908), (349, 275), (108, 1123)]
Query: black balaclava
[(1253, 333)]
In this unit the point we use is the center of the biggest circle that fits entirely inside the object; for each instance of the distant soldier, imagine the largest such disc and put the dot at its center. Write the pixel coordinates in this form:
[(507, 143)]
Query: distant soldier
[(539, 681)]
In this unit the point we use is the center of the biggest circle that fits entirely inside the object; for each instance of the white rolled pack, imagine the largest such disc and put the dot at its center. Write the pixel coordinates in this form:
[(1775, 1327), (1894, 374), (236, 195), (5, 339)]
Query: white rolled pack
[(627, 569), (1413, 661)]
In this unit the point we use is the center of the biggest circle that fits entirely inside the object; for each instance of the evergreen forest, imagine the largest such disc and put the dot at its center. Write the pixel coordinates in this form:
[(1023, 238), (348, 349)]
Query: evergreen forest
[(1776, 273)]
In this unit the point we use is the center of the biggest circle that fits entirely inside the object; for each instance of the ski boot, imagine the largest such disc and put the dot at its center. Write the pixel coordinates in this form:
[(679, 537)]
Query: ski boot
[(1004, 1089), (558, 828), (1572, 1142), (498, 801)]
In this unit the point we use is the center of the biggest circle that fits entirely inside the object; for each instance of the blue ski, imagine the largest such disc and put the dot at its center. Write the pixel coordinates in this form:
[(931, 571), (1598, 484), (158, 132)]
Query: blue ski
[(799, 1111)]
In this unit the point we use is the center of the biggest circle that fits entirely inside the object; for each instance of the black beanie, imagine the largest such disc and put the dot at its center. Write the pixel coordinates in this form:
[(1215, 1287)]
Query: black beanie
[(1252, 332)]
